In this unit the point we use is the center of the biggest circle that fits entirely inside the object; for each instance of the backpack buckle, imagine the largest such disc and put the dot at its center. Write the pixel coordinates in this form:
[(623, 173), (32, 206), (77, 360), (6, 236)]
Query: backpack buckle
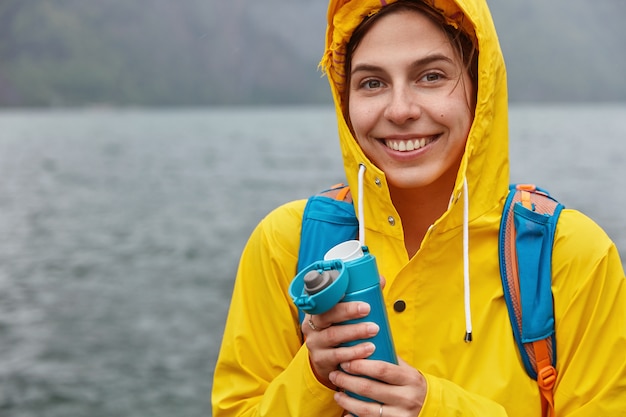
[(526, 187), (546, 377)]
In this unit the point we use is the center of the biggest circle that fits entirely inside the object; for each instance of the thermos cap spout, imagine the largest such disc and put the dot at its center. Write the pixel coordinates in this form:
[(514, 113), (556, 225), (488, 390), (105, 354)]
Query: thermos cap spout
[(315, 281)]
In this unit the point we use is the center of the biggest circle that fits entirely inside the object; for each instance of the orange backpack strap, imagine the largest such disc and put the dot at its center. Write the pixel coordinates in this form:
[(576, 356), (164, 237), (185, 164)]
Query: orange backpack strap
[(546, 375), (526, 238), (340, 192)]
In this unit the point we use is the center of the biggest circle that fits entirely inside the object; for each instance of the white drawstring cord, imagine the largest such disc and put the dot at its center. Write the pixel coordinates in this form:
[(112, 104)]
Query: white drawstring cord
[(466, 275), (360, 205)]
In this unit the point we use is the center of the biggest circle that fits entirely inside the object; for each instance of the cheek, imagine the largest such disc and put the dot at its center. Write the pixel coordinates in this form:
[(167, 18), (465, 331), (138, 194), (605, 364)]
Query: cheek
[(459, 111), (360, 119), (459, 116)]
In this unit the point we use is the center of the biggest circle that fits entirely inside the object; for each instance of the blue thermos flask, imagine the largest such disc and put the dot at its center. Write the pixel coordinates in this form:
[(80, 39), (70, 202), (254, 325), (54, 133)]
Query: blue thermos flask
[(347, 273)]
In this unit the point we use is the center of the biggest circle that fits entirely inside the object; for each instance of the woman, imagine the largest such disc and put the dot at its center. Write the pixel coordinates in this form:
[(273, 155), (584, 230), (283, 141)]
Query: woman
[(420, 92)]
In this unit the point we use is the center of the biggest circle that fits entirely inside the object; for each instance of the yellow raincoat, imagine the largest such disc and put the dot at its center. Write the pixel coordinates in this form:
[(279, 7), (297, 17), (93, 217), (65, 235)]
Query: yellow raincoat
[(263, 368)]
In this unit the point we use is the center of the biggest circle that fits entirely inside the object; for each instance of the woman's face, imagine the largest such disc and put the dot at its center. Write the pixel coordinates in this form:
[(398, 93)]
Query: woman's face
[(410, 101)]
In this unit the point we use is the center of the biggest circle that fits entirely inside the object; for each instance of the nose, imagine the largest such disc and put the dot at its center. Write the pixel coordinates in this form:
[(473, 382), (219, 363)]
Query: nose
[(403, 106)]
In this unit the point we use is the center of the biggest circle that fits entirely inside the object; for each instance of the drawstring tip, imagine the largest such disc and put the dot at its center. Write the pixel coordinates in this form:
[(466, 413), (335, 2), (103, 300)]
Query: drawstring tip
[(468, 337)]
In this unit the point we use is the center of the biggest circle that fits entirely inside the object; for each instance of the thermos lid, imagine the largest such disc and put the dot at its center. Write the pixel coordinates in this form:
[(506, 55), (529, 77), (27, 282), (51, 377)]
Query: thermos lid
[(322, 300)]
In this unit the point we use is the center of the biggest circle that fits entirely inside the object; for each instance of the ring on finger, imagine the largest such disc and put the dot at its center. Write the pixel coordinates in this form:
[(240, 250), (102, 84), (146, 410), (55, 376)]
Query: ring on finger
[(312, 325)]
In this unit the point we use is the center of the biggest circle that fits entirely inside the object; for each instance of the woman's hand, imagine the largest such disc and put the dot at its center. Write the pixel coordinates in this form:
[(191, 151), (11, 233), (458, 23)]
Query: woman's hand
[(400, 388), (322, 338)]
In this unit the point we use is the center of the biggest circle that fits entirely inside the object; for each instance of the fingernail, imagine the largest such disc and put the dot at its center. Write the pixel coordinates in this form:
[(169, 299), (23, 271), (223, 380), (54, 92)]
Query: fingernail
[(345, 366), (332, 376), (372, 329), (363, 308)]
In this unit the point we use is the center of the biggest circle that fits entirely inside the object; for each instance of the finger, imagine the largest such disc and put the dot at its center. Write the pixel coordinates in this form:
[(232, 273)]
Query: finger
[(309, 321), (360, 385), (317, 323), (357, 407), (332, 357), (324, 361), (380, 370), (400, 385), (342, 312), (386, 372), (333, 336), (341, 335), (312, 324)]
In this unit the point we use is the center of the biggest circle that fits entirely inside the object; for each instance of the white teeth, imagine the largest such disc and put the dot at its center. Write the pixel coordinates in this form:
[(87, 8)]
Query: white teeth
[(407, 145)]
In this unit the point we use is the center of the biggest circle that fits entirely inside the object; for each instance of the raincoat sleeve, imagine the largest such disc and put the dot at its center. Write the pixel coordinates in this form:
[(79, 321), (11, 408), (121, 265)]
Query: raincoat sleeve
[(263, 367), (444, 398), (589, 289)]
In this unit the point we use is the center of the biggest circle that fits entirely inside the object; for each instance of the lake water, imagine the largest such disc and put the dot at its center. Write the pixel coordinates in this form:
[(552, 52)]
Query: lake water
[(120, 232)]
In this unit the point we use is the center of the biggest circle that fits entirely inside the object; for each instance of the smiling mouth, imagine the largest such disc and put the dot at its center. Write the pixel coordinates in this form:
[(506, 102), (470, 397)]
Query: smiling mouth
[(408, 145)]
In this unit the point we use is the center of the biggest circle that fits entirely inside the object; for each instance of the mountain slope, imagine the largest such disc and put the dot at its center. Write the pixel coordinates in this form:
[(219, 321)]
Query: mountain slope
[(194, 52)]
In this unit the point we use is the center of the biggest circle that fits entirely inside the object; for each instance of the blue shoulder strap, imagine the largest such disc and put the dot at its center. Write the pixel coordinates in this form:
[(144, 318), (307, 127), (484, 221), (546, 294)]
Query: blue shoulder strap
[(326, 222), (527, 231)]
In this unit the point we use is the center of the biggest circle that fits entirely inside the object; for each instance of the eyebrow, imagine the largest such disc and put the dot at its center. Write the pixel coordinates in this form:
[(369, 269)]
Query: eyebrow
[(416, 64)]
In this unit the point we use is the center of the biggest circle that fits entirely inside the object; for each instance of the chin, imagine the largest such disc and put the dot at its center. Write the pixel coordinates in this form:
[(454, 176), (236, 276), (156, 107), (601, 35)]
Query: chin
[(407, 182), (415, 179)]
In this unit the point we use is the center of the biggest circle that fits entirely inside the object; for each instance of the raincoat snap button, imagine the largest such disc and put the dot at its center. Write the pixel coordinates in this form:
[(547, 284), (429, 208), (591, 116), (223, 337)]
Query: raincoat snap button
[(378, 182), (399, 306), (391, 220)]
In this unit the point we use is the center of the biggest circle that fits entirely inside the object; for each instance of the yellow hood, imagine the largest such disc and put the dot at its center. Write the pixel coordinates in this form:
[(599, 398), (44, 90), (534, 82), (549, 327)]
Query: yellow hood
[(486, 152)]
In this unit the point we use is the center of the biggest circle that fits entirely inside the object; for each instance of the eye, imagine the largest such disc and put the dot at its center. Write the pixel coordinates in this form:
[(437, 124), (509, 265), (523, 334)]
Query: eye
[(432, 77), (371, 84)]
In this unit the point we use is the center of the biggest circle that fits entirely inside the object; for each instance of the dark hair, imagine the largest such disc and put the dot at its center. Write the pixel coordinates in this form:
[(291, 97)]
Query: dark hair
[(460, 41)]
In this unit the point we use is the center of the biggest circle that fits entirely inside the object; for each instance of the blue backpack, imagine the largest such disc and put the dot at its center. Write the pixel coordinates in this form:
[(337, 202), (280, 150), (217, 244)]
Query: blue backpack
[(526, 238)]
